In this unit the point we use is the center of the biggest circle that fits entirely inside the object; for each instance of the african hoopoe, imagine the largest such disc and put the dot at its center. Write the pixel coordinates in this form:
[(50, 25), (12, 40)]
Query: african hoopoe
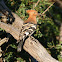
[(28, 27)]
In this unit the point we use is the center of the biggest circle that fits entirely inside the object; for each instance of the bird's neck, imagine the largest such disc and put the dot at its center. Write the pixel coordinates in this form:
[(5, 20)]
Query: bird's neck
[(32, 18)]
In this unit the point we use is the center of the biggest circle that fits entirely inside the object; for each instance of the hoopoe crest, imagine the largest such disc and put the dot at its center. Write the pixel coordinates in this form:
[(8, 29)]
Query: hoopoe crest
[(32, 16)]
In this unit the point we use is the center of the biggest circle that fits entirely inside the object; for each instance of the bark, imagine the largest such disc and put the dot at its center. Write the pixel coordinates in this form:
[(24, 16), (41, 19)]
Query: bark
[(18, 23), (15, 28), (10, 29), (35, 49)]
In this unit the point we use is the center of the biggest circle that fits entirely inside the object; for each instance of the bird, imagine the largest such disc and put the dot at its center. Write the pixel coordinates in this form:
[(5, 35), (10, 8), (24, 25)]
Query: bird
[(28, 28)]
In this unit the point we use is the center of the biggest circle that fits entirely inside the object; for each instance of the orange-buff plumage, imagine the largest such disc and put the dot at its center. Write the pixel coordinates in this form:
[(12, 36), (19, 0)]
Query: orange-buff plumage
[(32, 16)]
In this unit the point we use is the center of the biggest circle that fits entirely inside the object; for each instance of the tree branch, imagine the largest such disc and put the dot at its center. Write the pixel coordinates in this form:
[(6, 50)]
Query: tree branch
[(35, 49), (32, 46), (46, 10), (18, 23), (10, 29)]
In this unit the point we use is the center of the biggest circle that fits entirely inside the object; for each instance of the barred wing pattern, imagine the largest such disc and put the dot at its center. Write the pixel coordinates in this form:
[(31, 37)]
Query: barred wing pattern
[(27, 30)]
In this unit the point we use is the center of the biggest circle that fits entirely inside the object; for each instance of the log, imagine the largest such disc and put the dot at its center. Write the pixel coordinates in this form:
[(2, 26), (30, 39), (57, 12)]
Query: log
[(10, 29), (35, 49), (18, 23), (15, 28)]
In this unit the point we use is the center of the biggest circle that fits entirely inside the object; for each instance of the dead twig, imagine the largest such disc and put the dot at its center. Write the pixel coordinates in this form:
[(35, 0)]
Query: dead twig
[(36, 4), (46, 10)]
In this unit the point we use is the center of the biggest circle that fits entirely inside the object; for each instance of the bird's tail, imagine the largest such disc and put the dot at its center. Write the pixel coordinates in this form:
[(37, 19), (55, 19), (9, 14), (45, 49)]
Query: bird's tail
[(20, 45)]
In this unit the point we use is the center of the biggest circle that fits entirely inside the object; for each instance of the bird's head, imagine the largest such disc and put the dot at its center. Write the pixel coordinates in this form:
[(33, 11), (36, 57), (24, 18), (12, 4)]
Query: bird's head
[(32, 12)]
